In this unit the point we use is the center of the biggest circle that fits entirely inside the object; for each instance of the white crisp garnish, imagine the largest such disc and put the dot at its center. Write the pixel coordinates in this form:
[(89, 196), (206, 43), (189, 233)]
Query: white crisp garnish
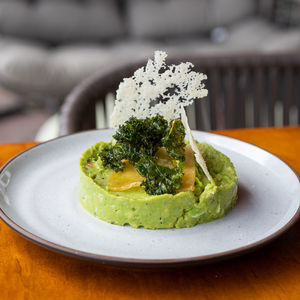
[(161, 89), (157, 89), (198, 155)]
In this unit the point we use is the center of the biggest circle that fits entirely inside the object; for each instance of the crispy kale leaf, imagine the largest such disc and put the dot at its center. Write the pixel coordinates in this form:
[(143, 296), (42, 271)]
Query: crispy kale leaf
[(138, 141), (112, 156), (144, 134), (174, 140), (159, 179)]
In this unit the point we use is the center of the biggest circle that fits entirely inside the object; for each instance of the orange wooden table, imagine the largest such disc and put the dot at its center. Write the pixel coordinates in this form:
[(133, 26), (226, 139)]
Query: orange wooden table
[(28, 271)]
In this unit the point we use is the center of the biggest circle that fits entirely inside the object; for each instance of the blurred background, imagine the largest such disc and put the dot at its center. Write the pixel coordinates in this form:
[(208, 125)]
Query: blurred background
[(48, 46)]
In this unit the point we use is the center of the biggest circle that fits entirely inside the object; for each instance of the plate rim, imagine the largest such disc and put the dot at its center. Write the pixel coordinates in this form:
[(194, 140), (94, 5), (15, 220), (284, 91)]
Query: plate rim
[(140, 262)]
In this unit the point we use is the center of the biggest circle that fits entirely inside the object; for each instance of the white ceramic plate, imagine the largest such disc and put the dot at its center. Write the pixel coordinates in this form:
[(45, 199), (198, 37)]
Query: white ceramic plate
[(38, 199)]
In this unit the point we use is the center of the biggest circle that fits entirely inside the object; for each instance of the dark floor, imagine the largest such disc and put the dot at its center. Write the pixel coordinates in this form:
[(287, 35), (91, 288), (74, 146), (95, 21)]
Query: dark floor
[(17, 124)]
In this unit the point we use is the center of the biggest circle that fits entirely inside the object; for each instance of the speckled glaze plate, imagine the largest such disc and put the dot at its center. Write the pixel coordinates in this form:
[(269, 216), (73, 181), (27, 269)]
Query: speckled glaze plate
[(38, 199)]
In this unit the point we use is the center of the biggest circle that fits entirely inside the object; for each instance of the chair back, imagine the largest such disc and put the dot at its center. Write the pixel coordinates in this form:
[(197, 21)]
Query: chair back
[(243, 91)]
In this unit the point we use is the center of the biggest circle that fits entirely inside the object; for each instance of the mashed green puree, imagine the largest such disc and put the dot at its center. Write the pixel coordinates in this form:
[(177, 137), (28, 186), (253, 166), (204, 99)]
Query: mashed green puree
[(137, 208)]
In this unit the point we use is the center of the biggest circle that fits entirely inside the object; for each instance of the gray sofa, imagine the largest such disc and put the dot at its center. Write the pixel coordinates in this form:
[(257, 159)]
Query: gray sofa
[(48, 46)]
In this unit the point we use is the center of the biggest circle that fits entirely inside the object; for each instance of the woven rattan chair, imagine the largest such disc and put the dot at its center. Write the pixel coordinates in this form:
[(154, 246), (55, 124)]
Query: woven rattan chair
[(244, 91)]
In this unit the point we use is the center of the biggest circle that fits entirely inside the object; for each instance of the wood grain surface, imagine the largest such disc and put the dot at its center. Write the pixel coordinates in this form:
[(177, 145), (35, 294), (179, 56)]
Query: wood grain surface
[(28, 271)]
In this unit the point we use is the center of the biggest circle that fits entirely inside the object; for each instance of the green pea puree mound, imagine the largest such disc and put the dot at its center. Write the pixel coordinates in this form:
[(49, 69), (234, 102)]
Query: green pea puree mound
[(207, 202)]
